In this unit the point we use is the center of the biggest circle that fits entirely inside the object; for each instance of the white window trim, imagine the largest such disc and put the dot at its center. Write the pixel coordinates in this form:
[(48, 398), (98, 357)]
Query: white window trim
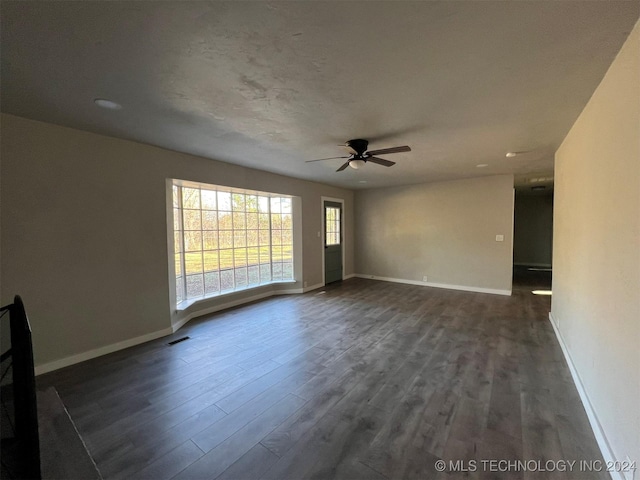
[(186, 303)]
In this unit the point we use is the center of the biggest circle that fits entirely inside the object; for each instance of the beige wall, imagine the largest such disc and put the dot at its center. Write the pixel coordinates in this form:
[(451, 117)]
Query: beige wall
[(84, 232), (596, 277), (444, 230), (533, 229)]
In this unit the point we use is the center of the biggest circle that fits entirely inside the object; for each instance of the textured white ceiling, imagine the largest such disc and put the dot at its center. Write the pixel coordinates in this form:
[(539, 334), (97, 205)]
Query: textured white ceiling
[(272, 84)]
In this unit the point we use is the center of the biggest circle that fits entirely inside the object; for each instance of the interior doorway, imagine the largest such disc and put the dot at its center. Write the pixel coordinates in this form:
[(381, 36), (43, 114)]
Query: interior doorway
[(533, 239)]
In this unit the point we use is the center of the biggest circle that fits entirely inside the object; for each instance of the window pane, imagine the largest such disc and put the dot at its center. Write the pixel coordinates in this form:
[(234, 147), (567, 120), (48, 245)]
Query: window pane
[(254, 275), (287, 253), (287, 271), (263, 204), (226, 280), (177, 220), (208, 199), (176, 196), (240, 257), (224, 201), (263, 221), (191, 219), (195, 286), (192, 241), (252, 220), (265, 273), (209, 220), (265, 255), (275, 205), (226, 259), (179, 289), (252, 238), (211, 260), (239, 220), (211, 283), (239, 238), (238, 202), (276, 221), (177, 242), (178, 264), (190, 197), (226, 239), (277, 271), (252, 203), (286, 205), (193, 262), (210, 240), (253, 256), (332, 226), (225, 221), (241, 277), (265, 238)]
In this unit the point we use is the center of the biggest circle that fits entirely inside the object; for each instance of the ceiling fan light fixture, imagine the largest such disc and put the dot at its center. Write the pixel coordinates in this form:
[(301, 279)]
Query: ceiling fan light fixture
[(356, 163)]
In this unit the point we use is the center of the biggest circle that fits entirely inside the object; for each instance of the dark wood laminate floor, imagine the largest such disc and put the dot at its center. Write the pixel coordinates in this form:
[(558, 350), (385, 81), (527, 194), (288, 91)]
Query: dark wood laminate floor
[(362, 380)]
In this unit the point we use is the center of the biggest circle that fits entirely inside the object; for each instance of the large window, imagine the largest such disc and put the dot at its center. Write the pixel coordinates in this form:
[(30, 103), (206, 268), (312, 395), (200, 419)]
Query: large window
[(227, 240)]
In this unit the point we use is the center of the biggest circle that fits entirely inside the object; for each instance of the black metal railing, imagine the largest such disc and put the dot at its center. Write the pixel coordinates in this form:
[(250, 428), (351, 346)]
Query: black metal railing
[(20, 441)]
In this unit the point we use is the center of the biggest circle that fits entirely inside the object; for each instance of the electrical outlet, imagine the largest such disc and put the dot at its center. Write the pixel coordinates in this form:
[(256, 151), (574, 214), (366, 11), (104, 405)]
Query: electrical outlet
[(424, 279), (499, 238), (305, 284)]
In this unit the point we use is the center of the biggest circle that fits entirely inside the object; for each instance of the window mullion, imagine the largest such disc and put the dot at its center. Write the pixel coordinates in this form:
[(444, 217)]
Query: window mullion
[(270, 242), (183, 266), (204, 286)]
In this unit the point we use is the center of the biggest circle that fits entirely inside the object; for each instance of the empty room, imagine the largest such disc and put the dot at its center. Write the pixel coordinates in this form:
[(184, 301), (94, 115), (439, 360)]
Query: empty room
[(320, 240)]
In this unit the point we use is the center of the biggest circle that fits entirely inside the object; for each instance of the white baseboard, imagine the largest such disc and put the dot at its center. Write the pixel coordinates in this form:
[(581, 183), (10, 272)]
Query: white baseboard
[(312, 287), (437, 285), (98, 352), (81, 357), (598, 431)]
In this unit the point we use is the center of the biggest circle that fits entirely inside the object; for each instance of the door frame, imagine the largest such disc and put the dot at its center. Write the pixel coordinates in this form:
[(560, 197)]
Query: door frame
[(322, 231)]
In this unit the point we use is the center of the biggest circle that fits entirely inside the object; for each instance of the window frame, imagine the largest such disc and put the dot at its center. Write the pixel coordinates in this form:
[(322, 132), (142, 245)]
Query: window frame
[(243, 273)]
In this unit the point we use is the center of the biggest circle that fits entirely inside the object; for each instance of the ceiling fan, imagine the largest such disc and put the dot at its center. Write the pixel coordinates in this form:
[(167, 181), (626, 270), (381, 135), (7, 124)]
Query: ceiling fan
[(359, 154)]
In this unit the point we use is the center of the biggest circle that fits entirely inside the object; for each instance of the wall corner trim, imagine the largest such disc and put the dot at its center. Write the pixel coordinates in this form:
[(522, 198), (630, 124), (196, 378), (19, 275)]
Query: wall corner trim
[(598, 431), (98, 352), (464, 288)]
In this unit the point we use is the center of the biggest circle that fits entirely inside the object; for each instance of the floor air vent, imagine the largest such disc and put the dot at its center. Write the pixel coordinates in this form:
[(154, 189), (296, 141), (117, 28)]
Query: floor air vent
[(178, 340)]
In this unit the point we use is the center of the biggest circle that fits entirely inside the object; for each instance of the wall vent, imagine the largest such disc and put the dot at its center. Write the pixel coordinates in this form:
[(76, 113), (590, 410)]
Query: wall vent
[(178, 340)]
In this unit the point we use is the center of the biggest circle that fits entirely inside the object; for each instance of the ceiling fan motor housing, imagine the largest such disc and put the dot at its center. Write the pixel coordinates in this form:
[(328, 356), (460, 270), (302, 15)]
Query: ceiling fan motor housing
[(359, 146)]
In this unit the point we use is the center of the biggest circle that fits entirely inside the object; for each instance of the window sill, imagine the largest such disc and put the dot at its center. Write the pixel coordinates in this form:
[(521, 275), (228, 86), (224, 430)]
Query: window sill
[(186, 304)]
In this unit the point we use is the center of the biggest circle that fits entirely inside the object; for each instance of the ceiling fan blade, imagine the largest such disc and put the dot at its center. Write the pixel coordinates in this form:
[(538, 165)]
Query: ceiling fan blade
[(343, 167), (321, 159), (380, 161), (385, 151)]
